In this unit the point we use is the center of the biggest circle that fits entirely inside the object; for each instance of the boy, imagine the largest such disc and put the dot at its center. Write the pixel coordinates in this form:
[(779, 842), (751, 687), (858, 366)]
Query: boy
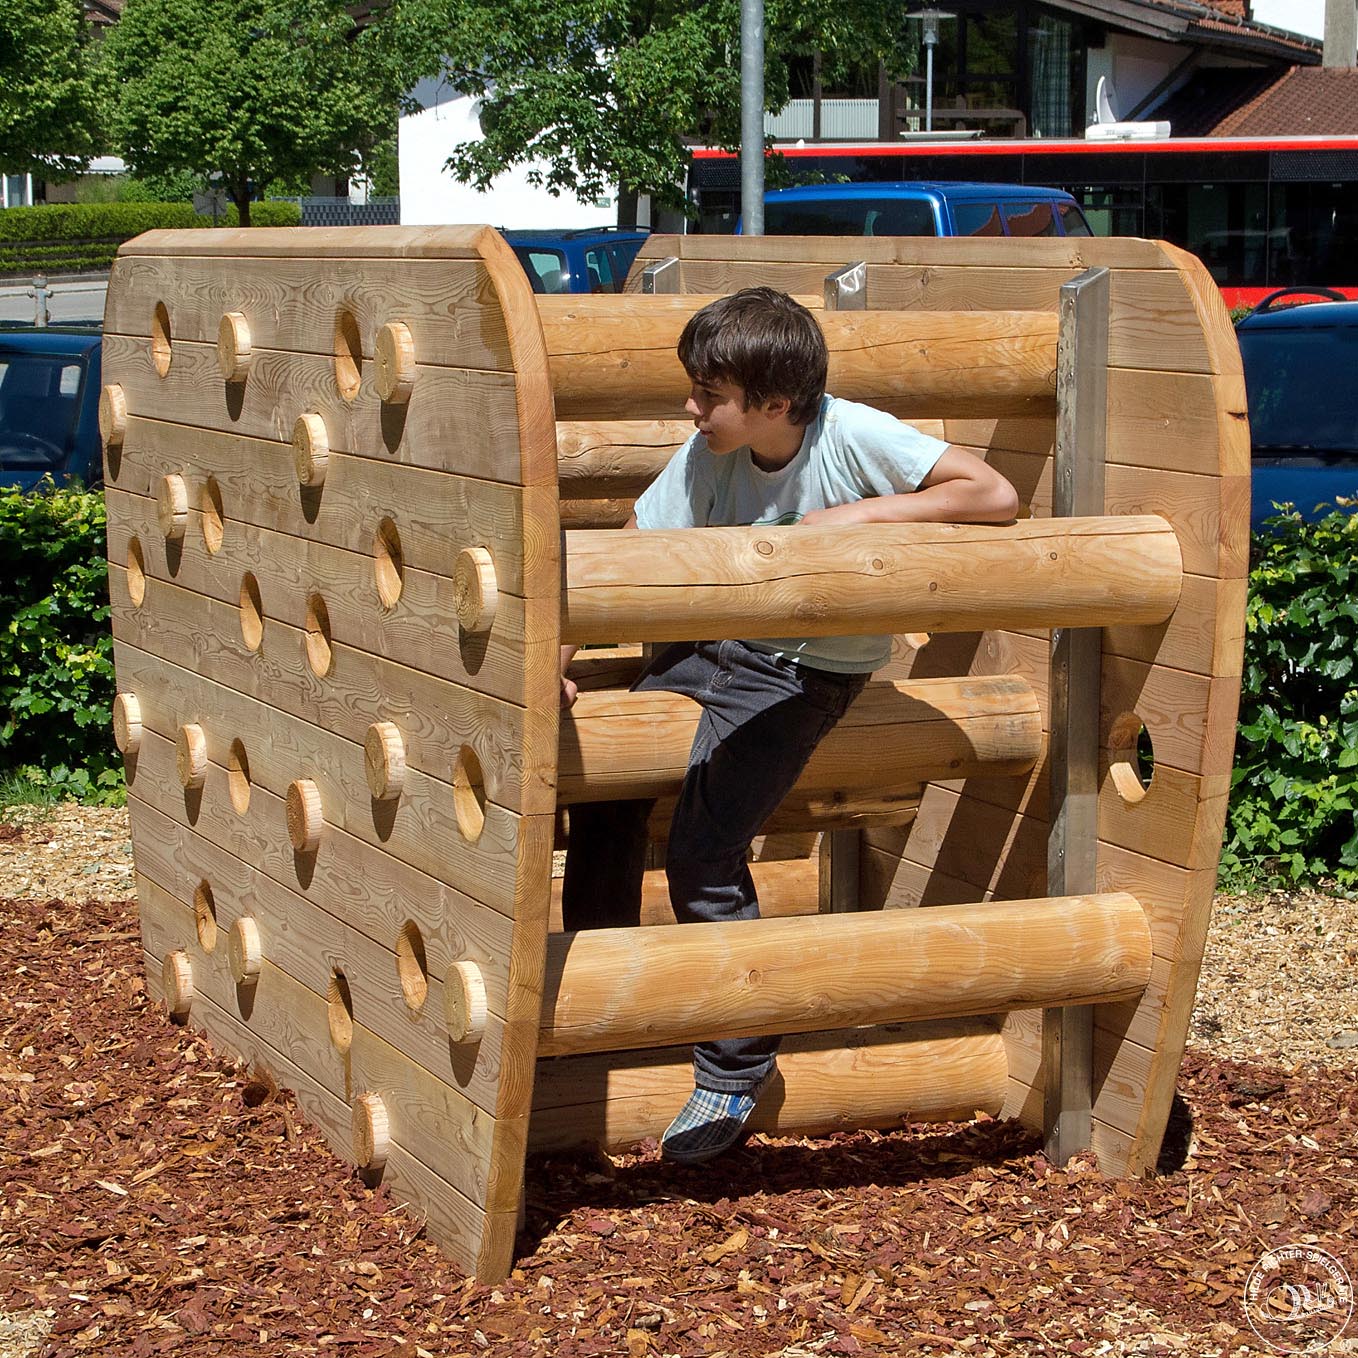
[(770, 448)]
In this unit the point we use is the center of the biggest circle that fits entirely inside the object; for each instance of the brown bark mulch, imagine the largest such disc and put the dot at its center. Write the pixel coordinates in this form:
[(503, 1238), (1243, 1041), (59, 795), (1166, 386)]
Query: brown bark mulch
[(154, 1197)]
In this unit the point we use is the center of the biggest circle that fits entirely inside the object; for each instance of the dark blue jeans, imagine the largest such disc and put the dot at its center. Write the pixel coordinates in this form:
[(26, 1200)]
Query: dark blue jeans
[(762, 718)]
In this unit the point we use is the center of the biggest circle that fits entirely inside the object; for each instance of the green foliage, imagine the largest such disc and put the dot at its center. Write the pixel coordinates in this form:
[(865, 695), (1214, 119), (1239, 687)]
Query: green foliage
[(252, 91), (602, 93), (80, 237), (56, 651), (50, 106), (1295, 785)]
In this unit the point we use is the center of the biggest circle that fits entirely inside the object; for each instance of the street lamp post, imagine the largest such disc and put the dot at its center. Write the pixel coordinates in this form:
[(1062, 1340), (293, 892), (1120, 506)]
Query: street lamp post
[(930, 18)]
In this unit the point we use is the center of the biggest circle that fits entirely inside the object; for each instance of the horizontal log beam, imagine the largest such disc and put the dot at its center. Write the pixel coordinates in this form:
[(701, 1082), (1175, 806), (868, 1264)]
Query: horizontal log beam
[(613, 357), (768, 582), (832, 810), (614, 989), (606, 459), (616, 745), (827, 1082)]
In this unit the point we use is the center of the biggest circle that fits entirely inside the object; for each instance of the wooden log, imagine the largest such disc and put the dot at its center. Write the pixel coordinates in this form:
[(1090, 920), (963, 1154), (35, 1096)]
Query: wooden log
[(770, 582), (828, 1082), (601, 458), (620, 745), (612, 989), (614, 358)]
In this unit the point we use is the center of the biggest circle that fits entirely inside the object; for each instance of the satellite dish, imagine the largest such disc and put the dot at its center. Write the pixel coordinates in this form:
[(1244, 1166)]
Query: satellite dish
[(1108, 127), (1105, 111)]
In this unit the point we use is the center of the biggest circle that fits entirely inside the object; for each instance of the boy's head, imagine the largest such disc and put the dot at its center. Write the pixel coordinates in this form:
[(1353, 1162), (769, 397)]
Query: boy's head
[(763, 342)]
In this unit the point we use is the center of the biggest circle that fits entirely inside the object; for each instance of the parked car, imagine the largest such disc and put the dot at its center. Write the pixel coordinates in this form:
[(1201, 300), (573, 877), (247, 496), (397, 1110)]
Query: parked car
[(49, 407), (922, 208), (1299, 360), (585, 260)]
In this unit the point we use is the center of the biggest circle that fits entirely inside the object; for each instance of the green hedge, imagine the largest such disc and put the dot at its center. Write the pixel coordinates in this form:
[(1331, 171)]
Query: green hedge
[(1295, 785), (84, 237), (56, 652)]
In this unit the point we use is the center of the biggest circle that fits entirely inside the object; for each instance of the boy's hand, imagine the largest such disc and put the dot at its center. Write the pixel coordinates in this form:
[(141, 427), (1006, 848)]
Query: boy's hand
[(823, 518)]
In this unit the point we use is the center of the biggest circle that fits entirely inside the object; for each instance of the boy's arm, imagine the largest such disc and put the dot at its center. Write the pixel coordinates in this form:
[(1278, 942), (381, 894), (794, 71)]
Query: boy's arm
[(960, 489), (568, 689)]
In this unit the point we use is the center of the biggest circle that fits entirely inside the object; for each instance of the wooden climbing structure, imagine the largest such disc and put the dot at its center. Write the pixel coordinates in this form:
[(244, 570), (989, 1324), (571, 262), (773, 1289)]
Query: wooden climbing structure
[(362, 484)]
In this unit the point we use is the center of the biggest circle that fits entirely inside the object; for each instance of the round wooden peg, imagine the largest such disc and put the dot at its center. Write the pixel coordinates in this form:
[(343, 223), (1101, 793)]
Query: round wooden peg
[(172, 507), (372, 1132), (127, 723), (464, 1002), (310, 449), (245, 951), (306, 817), (176, 974), (384, 760), (233, 347), (475, 594), (190, 756), (112, 416), (395, 378)]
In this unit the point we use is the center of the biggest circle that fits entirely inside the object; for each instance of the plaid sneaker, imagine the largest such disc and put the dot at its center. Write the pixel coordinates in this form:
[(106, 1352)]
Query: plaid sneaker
[(712, 1121)]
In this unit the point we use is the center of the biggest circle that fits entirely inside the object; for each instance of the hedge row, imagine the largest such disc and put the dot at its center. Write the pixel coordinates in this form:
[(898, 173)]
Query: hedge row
[(84, 237)]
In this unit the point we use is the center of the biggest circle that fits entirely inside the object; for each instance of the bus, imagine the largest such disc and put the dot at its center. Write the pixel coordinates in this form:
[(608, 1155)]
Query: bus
[(1261, 213)]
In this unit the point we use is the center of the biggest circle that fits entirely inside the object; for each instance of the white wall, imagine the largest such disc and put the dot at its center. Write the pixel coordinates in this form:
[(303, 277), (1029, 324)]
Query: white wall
[(431, 196)]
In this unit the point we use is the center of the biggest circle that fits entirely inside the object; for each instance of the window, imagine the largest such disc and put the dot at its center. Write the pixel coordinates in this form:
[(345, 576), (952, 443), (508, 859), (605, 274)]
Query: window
[(850, 217), (39, 404), (1300, 389), (977, 219), (1030, 219), (546, 269), (1073, 220)]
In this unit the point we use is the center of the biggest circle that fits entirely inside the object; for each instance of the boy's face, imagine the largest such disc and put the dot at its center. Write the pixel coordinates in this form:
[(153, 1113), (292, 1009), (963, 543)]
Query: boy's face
[(719, 411)]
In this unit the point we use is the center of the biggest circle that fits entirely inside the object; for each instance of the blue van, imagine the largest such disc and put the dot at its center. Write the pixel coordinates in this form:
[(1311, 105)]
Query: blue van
[(922, 208)]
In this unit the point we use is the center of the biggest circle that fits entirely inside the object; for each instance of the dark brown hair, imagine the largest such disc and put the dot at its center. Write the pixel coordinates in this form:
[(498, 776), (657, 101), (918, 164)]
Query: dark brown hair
[(763, 342)]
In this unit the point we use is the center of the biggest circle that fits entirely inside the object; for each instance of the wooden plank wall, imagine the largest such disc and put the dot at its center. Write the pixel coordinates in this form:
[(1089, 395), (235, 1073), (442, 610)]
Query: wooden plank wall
[(354, 581), (1178, 446)]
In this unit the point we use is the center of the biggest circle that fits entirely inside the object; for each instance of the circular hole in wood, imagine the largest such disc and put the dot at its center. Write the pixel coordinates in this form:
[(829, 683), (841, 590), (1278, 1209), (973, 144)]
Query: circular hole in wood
[(339, 1011), (348, 355), (1131, 759), (251, 613), (160, 339), (469, 794), (319, 653), (388, 563), (238, 777), (205, 916), (214, 527), (136, 573), (411, 966)]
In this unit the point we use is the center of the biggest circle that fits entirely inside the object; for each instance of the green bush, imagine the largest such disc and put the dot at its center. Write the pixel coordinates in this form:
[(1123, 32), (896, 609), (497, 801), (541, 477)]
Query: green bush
[(56, 652), (1295, 785)]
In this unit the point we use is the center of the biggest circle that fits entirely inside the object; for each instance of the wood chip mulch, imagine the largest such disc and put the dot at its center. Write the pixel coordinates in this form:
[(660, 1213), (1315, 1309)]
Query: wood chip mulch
[(154, 1197)]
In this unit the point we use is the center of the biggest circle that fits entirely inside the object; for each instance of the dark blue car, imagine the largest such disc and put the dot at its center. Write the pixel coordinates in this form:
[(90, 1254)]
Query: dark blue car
[(1303, 402), (594, 259), (49, 407)]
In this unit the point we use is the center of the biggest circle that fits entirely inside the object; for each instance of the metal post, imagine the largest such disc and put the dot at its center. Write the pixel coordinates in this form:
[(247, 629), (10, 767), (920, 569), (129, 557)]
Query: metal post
[(928, 85), (1073, 747), (752, 117), (42, 296)]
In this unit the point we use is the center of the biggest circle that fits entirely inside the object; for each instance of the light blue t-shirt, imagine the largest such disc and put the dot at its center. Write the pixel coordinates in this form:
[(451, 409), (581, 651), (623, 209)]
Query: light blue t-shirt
[(849, 452)]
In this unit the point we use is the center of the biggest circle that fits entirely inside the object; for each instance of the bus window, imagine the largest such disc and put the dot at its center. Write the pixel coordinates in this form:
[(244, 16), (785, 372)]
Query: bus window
[(1030, 219), (842, 216), (1073, 220), (977, 219)]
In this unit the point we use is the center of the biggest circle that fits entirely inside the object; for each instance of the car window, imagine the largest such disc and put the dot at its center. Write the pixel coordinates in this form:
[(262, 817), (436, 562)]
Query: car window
[(1030, 219), (546, 269), (1299, 387), (850, 217), (599, 268), (39, 406), (1073, 220), (977, 219), (622, 256)]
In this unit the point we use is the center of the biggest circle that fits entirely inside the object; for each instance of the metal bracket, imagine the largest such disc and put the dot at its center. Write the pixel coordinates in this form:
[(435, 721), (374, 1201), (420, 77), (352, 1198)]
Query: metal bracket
[(1076, 653), (847, 289), (661, 277)]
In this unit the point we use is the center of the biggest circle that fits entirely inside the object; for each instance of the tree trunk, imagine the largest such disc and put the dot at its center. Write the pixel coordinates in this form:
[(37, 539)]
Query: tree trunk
[(241, 197), (627, 206)]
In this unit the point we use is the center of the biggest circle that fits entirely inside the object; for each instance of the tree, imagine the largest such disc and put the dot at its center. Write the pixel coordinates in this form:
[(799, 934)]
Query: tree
[(615, 92), (49, 94), (245, 91)]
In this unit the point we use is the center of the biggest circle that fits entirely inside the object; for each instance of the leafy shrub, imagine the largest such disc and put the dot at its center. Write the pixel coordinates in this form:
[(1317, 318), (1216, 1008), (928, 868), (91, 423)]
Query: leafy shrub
[(56, 652), (1295, 786)]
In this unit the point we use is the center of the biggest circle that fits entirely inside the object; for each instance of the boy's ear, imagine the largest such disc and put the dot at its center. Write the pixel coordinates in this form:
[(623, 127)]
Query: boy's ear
[(777, 407)]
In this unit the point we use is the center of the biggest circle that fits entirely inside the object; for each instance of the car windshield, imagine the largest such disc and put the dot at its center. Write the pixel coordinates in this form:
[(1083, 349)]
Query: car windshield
[(546, 269), (1299, 385), (850, 217), (39, 403)]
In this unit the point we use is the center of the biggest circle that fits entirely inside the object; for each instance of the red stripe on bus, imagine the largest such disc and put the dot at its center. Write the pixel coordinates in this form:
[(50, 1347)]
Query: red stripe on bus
[(1171, 146)]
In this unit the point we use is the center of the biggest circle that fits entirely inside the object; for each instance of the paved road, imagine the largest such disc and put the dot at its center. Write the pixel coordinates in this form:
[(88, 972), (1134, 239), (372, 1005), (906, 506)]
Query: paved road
[(75, 300)]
